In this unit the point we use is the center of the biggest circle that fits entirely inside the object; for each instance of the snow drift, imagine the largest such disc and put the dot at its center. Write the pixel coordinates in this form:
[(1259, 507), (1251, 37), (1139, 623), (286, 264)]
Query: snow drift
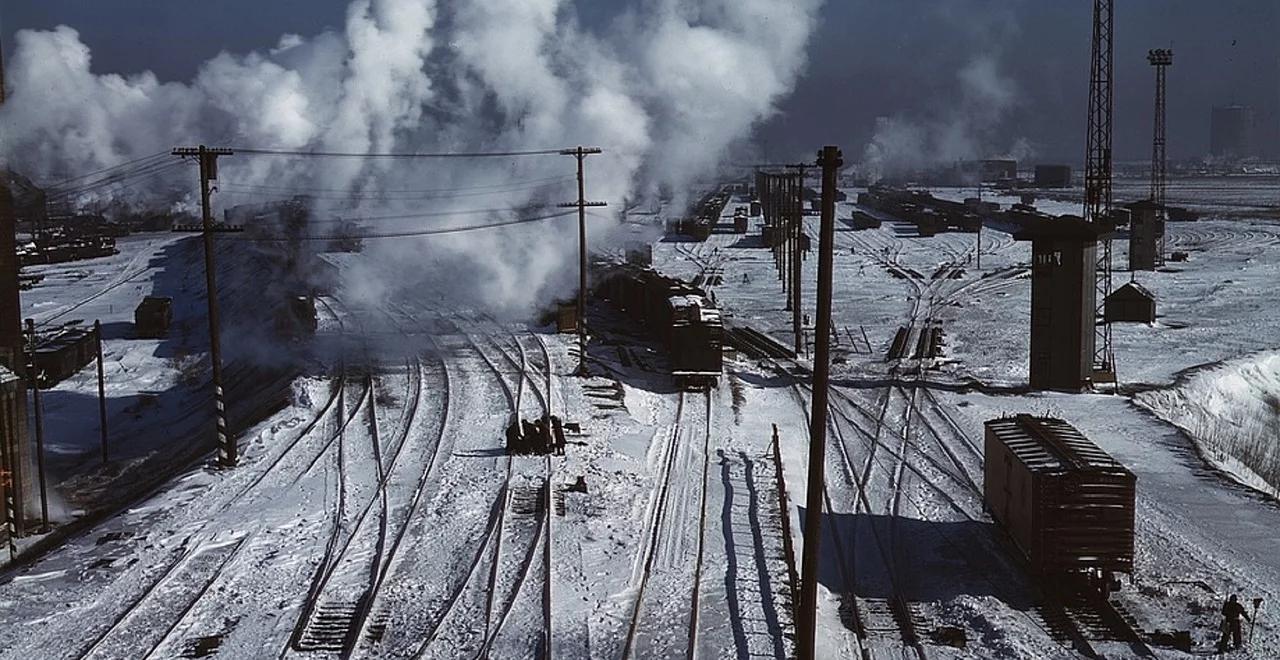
[(1232, 411)]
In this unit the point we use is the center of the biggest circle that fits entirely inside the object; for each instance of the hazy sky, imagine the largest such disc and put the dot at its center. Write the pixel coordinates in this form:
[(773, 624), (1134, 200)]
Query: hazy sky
[(869, 58)]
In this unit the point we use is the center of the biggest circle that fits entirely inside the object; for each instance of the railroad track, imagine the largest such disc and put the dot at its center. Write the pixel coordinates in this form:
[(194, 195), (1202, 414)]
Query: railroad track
[(205, 557), (176, 590), (666, 549), (514, 567), (340, 611)]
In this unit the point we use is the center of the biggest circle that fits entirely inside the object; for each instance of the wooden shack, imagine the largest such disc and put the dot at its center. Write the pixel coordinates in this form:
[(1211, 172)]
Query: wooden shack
[(1067, 505), (1131, 303)]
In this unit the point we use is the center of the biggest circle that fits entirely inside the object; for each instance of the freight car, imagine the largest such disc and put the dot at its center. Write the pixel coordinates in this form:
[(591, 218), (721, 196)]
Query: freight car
[(152, 317), (703, 218), (1067, 505), (678, 314), (864, 220)]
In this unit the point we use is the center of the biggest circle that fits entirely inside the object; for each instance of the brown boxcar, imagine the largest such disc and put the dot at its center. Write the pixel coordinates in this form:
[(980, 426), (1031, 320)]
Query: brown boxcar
[(1067, 504), (152, 317)]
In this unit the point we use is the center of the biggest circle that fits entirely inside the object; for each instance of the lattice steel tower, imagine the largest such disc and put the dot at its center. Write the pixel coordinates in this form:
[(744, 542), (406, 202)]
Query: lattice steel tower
[(1161, 59), (1097, 179)]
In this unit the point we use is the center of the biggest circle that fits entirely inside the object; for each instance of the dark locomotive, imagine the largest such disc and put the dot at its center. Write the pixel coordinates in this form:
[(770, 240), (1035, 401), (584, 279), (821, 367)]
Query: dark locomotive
[(677, 313), (1067, 505)]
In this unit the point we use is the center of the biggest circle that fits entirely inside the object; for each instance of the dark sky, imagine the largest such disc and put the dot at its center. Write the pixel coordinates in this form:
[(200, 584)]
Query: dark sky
[(868, 58)]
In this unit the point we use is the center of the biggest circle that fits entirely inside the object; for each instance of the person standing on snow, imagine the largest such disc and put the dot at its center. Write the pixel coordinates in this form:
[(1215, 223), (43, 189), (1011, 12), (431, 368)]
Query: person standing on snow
[(1232, 613)]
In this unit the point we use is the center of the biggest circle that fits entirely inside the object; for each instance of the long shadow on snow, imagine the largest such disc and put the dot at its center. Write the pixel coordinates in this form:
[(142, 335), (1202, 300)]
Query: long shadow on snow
[(935, 561), (156, 434)]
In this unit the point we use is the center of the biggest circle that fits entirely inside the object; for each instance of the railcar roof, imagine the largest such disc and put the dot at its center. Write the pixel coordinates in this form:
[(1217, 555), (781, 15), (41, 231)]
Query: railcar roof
[(1046, 444)]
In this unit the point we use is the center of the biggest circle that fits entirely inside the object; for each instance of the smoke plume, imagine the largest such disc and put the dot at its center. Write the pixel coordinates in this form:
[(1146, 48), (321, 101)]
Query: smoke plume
[(967, 129), (665, 89)]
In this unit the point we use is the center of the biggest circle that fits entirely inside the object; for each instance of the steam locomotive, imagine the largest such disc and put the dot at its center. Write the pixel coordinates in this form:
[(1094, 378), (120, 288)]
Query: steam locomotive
[(675, 312)]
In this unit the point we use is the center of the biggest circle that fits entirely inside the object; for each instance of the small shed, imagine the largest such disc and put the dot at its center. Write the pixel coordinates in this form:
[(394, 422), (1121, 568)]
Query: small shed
[(1131, 303), (152, 317)]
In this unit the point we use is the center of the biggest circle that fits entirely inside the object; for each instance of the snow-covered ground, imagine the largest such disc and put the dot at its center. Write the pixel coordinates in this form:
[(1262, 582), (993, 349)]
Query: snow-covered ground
[(376, 514), (1202, 533)]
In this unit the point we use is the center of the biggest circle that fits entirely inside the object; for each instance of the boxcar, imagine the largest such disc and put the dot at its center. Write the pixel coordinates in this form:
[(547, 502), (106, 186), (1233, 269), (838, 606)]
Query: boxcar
[(1067, 505), (152, 317)]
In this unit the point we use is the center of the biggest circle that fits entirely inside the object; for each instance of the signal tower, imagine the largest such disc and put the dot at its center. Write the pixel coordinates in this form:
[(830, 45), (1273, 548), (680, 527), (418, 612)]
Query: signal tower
[(1161, 59), (1097, 179)]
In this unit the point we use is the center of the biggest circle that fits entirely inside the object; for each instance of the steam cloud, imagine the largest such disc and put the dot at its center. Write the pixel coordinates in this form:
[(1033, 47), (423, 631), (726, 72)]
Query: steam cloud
[(666, 89), (966, 130)]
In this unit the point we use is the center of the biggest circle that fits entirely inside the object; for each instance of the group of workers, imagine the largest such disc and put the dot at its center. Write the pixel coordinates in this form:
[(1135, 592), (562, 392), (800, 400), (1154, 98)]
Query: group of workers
[(544, 435)]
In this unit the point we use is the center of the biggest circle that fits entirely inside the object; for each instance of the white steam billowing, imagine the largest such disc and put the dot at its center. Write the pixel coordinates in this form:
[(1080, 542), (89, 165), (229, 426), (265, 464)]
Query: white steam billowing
[(665, 90), (966, 129)]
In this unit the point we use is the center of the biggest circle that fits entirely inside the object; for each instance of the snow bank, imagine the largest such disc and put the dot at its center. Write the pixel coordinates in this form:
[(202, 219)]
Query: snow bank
[(1232, 411)]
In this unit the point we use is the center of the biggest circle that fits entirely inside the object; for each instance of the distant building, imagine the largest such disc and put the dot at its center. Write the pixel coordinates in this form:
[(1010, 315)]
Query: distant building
[(1231, 132), (985, 171), (1053, 176), (1146, 228)]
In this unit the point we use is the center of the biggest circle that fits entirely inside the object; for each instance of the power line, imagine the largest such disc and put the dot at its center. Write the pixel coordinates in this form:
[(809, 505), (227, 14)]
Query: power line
[(528, 182), (105, 169), (400, 234), (252, 191), (143, 172), (439, 154)]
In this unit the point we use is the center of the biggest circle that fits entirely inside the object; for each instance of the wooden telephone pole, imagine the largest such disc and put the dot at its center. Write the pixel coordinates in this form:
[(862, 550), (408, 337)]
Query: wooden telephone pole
[(208, 159), (581, 154), (830, 160)]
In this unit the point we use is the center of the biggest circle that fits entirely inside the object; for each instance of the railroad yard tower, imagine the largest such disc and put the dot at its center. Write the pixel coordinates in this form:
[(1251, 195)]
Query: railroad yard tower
[(1063, 257)]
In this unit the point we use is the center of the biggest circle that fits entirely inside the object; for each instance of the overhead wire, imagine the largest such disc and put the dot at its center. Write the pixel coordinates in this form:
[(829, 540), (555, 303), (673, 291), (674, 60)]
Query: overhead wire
[(142, 171), (104, 170), (438, 154), (549, 179), (276, 191), (399, 234)]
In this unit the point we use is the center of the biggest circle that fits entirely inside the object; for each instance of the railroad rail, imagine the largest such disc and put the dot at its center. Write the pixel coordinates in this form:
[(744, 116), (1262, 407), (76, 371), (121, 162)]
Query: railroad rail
[(658, 527)]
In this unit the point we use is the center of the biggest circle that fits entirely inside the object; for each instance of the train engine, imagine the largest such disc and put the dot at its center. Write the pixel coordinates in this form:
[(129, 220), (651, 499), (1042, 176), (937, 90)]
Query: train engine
[(674, 312)]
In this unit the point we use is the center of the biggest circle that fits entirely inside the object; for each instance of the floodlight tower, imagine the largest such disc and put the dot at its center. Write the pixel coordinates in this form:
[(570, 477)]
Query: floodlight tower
[(1161, 59), (1097, 179)]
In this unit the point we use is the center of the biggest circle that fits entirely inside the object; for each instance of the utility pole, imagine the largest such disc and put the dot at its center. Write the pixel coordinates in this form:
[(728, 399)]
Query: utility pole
[(102, 391), (830, 160), (34, 379), (795, 203), (208, 158), (581, 154)]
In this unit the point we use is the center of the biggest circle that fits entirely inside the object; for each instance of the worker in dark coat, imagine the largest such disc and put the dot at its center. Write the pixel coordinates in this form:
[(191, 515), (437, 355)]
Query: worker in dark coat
[(513, 436), (1232, 613)]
